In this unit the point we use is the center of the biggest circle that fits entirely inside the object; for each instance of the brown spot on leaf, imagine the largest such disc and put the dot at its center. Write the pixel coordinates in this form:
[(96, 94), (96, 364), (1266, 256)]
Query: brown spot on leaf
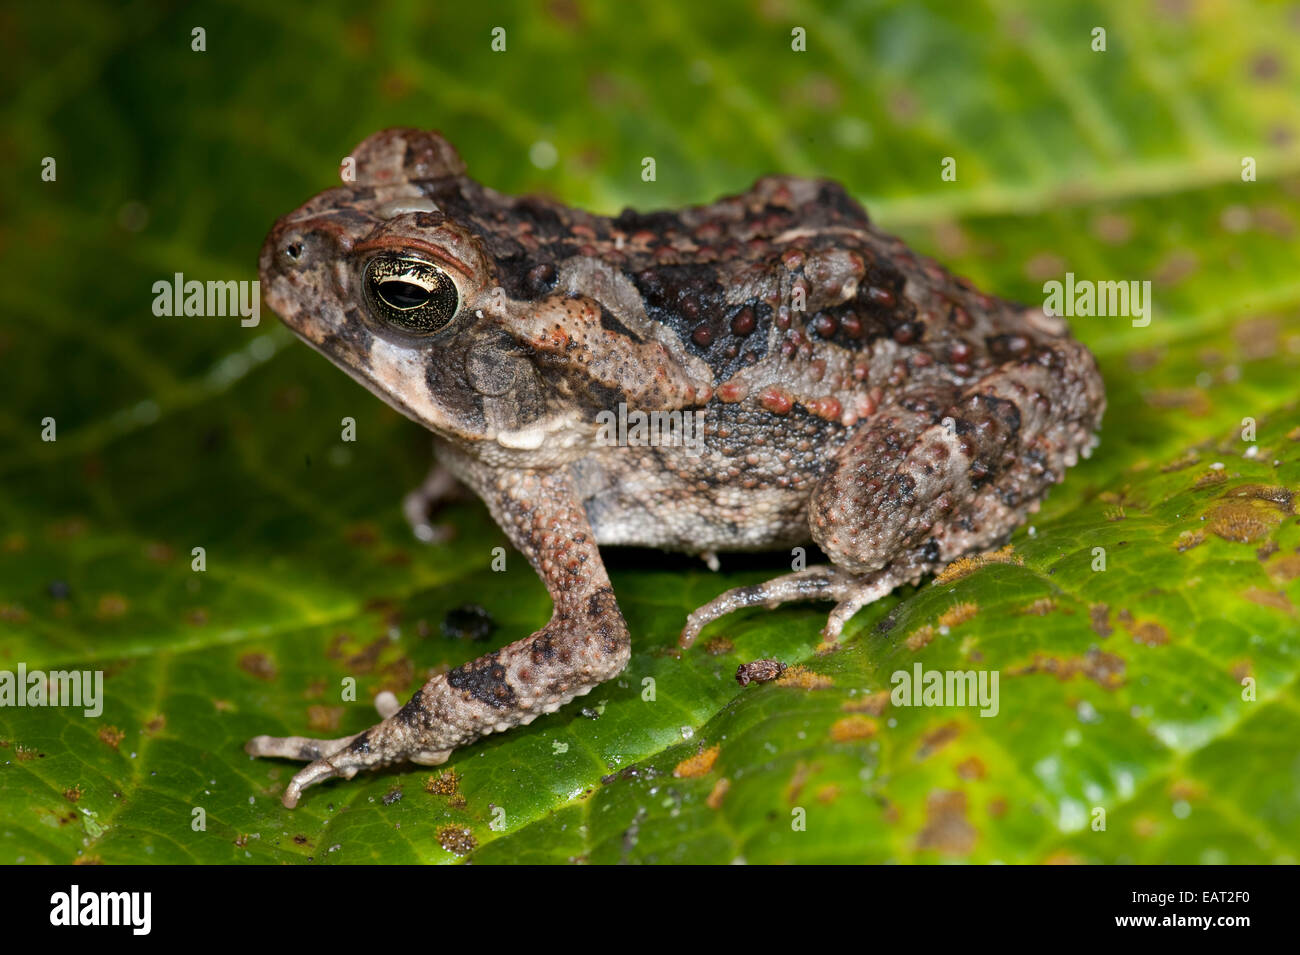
[(111, 736), (156, 725), (1269, 598), (1258, 338), (1062, 857), (1104, 669), (397, 676), (457, 839), (1186, 789), (699, 764), (12, 613), (946, 828), (1272, 493), (335, 649), (828, 794), (874, 704), (111, 606), (1099, 615), (1039, 608), (324, 719), (1209, 479), (852, 728), (1113, 228), (1177, 266), (364, 660), (972, 767), (718, 646), (1180, 463), (258, 665), (361, 535), (965, 566), (797, 781), (919, 637), (958, 613), (159, 552), (446, 784), (1249, 512), (1144, 359), (719, 793), (1144, 827), (1148, 632), (937, 738), (72, 793), (1241, 521), (804, 679), (1043, 265), (1286, 567), (1192, 401), (1189, 539)]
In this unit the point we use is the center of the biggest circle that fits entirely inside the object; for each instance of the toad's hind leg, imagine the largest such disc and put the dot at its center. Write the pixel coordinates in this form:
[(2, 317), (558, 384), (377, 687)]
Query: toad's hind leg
[(824, 582), (861, 542)]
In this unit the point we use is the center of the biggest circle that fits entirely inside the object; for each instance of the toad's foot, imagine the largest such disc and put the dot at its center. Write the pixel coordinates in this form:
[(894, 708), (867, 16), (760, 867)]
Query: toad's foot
[(343, 757), (584, 644), (440, 487), (509, 687), (313, 750), (825, 582)]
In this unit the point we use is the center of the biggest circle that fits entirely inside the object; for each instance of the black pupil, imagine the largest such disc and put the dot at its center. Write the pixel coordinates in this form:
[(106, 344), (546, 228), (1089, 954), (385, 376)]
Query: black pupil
[(403, 294)]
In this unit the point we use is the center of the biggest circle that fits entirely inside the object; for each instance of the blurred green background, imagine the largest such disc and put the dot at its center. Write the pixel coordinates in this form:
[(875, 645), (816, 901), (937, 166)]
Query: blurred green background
[(1122, 689)]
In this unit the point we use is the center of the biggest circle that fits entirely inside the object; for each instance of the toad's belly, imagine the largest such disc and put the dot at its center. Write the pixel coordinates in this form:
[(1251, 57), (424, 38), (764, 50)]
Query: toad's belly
[(636, 512)]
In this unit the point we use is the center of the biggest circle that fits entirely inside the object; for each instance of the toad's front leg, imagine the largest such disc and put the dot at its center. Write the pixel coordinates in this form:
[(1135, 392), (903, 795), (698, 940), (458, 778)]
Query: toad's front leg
[(584, 644)]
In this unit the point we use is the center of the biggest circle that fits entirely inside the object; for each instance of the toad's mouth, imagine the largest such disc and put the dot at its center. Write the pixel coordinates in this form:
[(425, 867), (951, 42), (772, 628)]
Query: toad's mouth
[(393, 374), (358, 371)]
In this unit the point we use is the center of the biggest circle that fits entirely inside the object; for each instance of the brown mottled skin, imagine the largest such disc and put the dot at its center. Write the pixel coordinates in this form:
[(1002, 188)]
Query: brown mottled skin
[(854, 394)]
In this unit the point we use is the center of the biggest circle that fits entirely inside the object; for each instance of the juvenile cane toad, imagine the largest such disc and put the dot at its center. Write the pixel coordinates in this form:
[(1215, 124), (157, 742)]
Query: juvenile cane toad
[(855, 394)]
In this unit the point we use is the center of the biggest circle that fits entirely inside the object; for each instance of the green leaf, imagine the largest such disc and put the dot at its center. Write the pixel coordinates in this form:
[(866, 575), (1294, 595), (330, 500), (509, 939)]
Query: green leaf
[(1143, 628)]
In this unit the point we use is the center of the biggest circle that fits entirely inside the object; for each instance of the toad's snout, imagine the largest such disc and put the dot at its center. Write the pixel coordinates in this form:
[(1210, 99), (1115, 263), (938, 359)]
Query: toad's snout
[(299, 263), (295, 247)]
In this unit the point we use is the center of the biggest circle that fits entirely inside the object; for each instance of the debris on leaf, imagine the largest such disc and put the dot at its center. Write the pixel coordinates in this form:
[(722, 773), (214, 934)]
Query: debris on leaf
[(468, 622), (759, 671)]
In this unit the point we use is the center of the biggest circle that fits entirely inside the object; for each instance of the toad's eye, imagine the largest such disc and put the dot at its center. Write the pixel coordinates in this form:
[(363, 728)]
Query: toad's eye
[(410, 294)]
